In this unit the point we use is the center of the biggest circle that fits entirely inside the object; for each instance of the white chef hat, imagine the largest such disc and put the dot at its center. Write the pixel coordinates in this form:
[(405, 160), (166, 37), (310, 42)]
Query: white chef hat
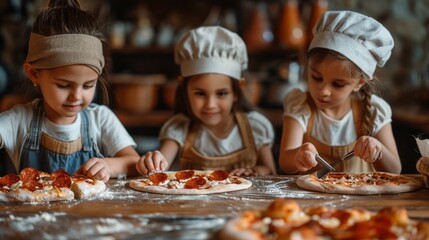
[(360, 38), (211, 50)]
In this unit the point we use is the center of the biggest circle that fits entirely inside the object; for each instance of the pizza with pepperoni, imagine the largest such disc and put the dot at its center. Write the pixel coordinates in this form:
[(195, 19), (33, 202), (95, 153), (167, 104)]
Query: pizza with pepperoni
[(285, 219), (190, 182), (368, 183), (31, 185)]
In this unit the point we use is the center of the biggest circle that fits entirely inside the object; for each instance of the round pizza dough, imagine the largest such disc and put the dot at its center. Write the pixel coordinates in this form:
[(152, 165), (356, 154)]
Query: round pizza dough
[(407, 184), (217, 187)]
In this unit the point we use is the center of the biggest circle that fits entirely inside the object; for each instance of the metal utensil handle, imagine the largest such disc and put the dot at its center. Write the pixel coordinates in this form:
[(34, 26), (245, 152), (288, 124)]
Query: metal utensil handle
[(324, 164), (322, 173), (347, 156), (344, 158)]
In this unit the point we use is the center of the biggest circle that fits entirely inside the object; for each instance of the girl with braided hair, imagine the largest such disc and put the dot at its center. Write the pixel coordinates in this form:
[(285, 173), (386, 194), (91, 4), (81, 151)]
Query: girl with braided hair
[(340, 112)]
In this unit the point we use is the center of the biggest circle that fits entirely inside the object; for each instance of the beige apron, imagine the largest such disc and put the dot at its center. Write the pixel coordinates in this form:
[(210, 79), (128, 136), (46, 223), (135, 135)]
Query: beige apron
[(243, 158), (332, 153)]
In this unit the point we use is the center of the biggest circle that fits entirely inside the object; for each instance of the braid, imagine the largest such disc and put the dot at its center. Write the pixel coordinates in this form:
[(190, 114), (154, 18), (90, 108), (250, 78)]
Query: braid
[(367, 113), (370, 88)]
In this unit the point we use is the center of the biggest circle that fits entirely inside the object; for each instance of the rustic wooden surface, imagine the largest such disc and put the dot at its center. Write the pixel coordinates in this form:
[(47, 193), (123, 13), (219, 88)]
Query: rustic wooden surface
[(123, 213)]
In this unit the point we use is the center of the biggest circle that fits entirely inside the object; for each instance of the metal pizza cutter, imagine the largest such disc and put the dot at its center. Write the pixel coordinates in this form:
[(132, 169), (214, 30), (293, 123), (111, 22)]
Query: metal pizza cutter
[(331, 167)]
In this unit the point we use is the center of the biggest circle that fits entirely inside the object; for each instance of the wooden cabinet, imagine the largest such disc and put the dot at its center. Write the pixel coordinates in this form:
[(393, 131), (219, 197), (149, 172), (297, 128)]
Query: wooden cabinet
[(143, 33)]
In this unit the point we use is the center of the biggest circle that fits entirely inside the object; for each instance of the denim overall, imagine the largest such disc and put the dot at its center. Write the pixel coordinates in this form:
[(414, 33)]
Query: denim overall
[(243, 158), (45, 153)]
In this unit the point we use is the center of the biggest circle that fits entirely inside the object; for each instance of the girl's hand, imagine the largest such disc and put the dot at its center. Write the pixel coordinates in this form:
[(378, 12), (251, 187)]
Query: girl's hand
[(243, 172), (151, 162), (306, 157), (95, 168), (369, 149)]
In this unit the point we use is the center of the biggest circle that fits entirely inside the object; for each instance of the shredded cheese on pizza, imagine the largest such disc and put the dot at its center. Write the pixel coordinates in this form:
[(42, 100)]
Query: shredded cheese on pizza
[(173, 183), (357, 180)]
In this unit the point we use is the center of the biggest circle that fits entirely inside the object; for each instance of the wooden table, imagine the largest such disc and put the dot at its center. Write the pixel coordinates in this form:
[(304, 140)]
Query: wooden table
[(122, 213)]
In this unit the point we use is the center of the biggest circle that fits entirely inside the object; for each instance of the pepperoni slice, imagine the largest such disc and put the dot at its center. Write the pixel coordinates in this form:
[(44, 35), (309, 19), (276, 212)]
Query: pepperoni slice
[(79, 177), (182, 175), (337, 175), (27, 174), (57, 173), (62, 181), (195, 182), (32, 185), (218, 175), (9, 179), (158, 178), (236, 181)]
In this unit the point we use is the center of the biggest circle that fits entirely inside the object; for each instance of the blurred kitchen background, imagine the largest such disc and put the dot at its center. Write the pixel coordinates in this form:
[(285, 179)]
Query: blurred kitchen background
[(142, 34)]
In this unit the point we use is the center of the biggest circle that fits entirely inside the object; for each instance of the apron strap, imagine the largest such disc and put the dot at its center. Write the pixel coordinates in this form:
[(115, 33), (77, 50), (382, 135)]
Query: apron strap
[(86, 133), (36, 125), (245, 130)]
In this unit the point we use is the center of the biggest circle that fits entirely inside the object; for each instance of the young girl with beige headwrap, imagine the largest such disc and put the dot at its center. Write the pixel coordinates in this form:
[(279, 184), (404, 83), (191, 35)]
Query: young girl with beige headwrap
[(64, 130), (340, 112)]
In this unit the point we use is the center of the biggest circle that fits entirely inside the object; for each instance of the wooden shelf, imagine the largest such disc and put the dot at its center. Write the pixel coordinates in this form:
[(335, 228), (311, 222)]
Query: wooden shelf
[(150, 119), (169, 51), (154, 60), (157, 118)]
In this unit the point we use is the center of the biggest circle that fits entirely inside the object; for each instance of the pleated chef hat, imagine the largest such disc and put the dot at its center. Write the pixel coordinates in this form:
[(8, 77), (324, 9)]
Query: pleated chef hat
[(360, 38), (211, 50)]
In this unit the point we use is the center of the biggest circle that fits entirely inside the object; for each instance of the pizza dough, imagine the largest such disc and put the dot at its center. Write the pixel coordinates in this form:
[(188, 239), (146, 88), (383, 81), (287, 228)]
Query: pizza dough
[(32, 185), (285, 219), (190, 182), (84, 187), (359, 183)]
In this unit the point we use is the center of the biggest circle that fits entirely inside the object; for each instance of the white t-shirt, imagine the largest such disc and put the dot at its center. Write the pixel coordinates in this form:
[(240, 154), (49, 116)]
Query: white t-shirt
[(109, 133), (208, 144), (331, 131)]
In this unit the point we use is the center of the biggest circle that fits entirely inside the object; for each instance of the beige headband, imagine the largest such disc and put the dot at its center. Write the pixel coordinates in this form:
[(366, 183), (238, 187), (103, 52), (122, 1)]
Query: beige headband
[(65, 49)]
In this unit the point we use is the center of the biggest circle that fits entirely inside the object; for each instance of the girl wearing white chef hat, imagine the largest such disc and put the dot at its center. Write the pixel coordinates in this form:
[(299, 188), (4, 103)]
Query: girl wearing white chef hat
[(64, 130), (340, 112), (214, 128)]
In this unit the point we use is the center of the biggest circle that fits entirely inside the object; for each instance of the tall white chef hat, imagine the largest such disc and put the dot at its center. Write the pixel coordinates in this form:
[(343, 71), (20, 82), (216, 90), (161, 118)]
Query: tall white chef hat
[(360, 38), (211, 50)]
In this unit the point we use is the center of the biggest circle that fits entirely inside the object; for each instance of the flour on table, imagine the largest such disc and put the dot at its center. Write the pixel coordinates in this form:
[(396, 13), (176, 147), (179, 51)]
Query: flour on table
[(28, 223)]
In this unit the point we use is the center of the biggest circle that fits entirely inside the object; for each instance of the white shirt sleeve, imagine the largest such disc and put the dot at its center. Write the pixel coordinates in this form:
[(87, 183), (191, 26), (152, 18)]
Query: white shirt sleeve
[(110, 134), (14, 126), (262, 129), (295, 106), (176, 128), (383, 113)]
